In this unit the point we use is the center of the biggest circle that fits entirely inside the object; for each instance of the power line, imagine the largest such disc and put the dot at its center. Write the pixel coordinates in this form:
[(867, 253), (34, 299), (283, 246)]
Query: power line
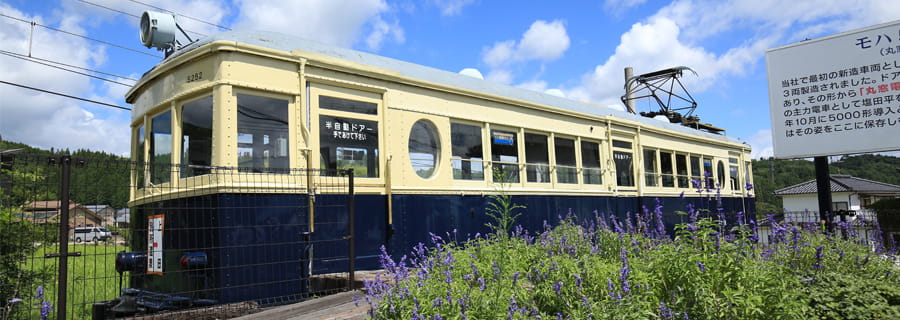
[(65, 95), (37, 60), (81, 36), (189, 17)]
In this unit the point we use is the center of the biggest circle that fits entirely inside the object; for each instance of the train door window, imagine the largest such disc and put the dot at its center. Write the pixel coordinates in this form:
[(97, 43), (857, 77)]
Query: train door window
[(263, 137), (424, 148), (505, 156), (651, 175), (537, 158), (720, 175), (161, 148), (733, 173), (349, 143), (668, 172), (566, 165), (332, 103), (468, 157), (681, 170), (709, 181), (624, 161), (696, 173), (196, 137), (139, 158), (590, 162)]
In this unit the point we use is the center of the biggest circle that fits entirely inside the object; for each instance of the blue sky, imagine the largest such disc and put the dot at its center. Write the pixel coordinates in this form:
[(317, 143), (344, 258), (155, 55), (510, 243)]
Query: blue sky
[(578, 47)]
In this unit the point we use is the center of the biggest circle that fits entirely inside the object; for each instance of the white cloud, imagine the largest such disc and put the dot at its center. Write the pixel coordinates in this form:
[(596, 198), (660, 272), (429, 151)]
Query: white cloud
[(761, 142), (337, 22), (46, 120), (543, 41), (619, 6), (451, 7)]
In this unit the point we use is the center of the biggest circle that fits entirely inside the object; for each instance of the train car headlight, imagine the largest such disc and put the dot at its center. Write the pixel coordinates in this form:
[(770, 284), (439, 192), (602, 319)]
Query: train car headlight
[(158, 30)]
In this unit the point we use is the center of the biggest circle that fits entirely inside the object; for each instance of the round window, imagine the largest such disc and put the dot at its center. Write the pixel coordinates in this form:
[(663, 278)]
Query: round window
[(424, 148)]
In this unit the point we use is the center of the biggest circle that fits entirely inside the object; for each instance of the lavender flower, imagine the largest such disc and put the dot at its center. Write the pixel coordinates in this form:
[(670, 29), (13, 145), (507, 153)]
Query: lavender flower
[(701, 266), (664, 312), (819, 256), (577, 280), (14, 300), (624, 272), (557, 287), (482, 286)]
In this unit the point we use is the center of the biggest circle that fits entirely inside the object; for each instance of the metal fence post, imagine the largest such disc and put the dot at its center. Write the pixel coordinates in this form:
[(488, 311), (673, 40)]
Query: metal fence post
[(61, 292), (350, 212)]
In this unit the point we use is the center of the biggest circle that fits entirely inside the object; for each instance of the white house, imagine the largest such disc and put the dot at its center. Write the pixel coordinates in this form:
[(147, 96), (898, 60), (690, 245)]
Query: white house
[(847, 193)]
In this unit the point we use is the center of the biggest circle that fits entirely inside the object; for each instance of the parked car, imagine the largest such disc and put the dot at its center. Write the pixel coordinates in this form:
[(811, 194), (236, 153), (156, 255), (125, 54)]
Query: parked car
[(82, 234)]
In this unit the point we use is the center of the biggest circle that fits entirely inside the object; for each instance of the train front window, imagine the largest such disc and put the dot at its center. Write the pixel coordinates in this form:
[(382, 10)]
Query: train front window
[(139, 158), (537, 167), (468, 157), (505, 156), (196, 137), (263, 138), (161, 148), (590, 161), (346, 143), (424, 148), (566, 166)]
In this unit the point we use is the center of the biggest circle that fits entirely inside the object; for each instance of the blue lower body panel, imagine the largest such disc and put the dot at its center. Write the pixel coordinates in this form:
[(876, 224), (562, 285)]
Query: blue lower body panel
[(257, 245)]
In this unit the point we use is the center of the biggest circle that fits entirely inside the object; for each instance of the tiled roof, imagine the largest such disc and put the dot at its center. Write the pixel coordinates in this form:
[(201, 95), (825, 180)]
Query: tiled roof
[(842, 183)]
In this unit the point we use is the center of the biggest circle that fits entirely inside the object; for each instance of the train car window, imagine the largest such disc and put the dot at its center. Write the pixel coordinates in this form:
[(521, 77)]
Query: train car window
[(621, 144), (651, 174), (733, 174), (505, 156), (196, 137), (326, 102), (263, 137), (139, 158), (537, 158), (720, 175), (590, 161), (161, 148), (682, 171), (424, 148), (668, 172), (696, 173), (747, 176), (566, 166), (624, 171), (468, 156), (349, 143), (624, 161), (709, 181)]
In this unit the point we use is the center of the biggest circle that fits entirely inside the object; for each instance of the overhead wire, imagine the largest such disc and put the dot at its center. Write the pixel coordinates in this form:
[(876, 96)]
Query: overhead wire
[(64, 95), (82, 36), (139, 17), (38, 61)]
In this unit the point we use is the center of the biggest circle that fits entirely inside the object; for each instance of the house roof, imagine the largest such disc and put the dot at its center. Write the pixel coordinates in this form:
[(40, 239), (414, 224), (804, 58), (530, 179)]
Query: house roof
[(843, 183)]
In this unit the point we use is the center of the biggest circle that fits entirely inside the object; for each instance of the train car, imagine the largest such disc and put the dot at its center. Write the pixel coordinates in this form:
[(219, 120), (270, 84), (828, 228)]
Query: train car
[(428, 147)]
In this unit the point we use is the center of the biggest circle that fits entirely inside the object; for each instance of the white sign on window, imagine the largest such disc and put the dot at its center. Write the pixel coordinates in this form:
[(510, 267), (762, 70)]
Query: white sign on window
[(838, 94), (155, 244)]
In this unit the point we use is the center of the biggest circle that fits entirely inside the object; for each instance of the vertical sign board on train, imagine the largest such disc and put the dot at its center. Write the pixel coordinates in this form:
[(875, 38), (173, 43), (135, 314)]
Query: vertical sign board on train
[(155, 244), (838, 94)]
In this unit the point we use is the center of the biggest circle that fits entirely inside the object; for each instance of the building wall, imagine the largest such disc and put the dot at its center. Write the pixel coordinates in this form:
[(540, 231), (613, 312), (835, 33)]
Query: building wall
[(803, 202)]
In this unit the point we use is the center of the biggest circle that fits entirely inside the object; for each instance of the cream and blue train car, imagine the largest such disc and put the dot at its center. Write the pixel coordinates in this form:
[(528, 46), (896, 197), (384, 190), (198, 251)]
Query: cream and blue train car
[(426, 146)]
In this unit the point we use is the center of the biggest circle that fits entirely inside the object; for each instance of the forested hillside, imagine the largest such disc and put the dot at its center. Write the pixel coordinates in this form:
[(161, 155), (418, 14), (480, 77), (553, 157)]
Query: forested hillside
[(104, 179), (771, 174)]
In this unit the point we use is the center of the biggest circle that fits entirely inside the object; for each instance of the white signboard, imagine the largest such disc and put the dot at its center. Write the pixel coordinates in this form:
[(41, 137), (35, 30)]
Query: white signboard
[(155, 244), (836, 95)]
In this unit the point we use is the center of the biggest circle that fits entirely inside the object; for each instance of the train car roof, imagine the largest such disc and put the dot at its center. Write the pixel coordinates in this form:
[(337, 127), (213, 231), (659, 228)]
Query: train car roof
[(287, 43)]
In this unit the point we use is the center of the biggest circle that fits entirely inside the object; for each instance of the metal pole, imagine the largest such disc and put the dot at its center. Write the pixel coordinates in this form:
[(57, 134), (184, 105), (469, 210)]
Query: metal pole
[(66, 162), (629, 103), (823, 187), (350, 237)]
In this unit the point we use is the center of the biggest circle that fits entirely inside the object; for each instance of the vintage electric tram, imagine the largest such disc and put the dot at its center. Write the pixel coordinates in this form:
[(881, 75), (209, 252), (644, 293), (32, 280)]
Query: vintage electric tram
[(424, 144)]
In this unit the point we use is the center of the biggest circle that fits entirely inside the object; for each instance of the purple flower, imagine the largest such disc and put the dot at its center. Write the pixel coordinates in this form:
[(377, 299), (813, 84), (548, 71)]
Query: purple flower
[(624, 272), (40, 293), (577, 280), (14, 300), (819, 256), (664, 312), (701, 266), (437, 302), (557, 287), (515, 277), (482, 286)]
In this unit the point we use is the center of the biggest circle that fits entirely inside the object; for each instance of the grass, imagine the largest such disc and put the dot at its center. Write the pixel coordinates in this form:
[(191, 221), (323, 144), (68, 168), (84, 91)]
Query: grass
[(91, 278)]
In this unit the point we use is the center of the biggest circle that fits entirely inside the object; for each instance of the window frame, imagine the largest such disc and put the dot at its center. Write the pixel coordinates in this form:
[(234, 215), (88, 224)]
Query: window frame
[(317, 90), (546, 168), (481, 163)]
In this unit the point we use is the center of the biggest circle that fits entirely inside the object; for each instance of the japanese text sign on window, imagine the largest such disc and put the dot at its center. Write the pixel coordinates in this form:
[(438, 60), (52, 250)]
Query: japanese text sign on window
[(836, 95)]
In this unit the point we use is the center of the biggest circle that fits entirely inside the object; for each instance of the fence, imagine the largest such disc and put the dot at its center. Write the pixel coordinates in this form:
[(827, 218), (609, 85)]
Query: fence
[(861, 225), (108, 238)]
